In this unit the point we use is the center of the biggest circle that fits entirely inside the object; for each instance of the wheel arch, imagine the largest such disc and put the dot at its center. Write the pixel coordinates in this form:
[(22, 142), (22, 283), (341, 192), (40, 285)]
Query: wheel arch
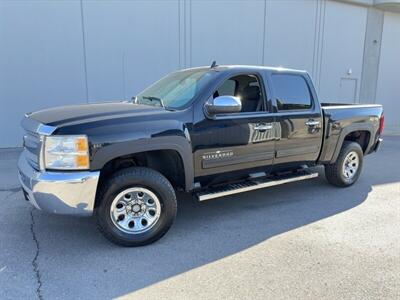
[(360, 133), (155, 150)]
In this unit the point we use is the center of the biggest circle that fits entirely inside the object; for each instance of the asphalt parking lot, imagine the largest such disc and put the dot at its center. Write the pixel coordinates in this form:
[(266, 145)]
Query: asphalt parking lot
[(301, 240)]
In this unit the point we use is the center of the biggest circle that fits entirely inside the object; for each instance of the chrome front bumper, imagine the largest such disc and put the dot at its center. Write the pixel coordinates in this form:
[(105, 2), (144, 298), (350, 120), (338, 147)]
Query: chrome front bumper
[(67, 193)]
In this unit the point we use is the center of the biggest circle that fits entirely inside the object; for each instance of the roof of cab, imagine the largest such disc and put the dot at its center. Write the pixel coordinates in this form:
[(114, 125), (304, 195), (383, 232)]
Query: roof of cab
[(247, 68)]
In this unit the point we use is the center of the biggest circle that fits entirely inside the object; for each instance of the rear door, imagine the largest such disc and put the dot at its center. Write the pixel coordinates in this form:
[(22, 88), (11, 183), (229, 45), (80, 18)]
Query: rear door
[(298, 118), (236, 141)]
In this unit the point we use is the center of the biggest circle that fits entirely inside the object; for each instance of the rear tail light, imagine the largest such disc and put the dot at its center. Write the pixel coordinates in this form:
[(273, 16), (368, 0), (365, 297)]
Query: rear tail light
[(381, 124)]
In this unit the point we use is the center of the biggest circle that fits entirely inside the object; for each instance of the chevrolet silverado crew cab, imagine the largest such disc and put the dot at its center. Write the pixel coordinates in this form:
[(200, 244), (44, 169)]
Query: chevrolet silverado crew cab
[(209, 131)]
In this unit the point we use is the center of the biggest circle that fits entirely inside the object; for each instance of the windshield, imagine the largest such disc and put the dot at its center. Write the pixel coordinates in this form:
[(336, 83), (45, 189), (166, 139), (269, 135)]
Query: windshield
[(175, 90)]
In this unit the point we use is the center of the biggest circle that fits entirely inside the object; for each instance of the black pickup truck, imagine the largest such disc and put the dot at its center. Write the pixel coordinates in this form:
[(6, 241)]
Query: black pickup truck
[(210, 131)]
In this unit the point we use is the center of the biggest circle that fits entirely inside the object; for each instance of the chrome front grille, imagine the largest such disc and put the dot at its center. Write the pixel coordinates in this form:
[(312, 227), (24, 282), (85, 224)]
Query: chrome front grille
[(33, 139), (32, 148)]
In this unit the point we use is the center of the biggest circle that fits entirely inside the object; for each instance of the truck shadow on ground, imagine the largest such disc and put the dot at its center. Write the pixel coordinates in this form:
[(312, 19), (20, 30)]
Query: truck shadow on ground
[(76, 261), (203, 233)]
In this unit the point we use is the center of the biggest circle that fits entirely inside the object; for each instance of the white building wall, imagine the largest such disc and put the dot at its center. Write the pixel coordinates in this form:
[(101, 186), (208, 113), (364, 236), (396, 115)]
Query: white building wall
[(388, 91), (41, 61), (129, 44), (342, 52), (230, 32), (64, 52), (291, 34)]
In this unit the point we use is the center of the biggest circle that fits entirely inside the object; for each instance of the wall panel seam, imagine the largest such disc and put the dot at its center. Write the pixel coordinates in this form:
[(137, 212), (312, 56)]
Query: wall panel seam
[(179, 34), (190, 33), (84, 52), (264, 33), (322, 40), (379, 56), (316, 32)]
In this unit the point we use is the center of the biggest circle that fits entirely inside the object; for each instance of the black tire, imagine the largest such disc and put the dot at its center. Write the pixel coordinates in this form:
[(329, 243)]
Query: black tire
[(136, 177), (334, 172)]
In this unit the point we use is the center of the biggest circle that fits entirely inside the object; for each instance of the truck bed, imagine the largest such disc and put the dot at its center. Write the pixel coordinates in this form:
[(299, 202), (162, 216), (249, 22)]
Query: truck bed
[(346, 105), (343, 118)]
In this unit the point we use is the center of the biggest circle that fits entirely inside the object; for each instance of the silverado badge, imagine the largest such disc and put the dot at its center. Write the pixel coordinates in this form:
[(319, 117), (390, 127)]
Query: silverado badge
[(217, 154)]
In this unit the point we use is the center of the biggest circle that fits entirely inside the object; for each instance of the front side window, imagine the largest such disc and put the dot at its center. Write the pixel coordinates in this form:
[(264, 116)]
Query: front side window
[(176, 89), (228, 88), (291, 92), (247, 88)]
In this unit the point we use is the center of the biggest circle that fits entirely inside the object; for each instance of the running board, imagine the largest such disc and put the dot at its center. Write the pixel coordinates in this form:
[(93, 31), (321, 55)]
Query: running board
[(253, 184)]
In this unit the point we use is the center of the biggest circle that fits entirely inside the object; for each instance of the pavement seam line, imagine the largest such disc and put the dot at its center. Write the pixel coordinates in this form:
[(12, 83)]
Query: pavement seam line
[(35, 264), (12, 189)]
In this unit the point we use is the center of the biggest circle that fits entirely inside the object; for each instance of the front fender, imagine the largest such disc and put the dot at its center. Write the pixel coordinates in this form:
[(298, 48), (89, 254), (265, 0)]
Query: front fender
[(180, 144)]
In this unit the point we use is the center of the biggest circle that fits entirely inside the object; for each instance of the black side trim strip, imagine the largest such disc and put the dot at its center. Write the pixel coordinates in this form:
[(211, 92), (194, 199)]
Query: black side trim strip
[(297, 151)]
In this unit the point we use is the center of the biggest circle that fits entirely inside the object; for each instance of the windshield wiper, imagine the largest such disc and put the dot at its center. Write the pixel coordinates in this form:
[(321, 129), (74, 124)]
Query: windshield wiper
[(151, 98)]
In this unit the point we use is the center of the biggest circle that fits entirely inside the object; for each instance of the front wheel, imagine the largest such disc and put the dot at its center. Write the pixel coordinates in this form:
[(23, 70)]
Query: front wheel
[(136, 207), (347, 168)]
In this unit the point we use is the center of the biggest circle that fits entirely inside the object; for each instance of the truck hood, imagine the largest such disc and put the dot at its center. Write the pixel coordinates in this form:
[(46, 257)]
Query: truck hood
[(78, 114)]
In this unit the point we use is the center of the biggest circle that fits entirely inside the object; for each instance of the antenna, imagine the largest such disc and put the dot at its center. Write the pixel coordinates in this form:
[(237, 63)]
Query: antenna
[(214, 64)]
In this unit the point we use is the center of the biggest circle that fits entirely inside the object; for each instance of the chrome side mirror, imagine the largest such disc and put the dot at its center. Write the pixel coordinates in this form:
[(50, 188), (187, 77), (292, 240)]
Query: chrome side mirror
[(223, 105)]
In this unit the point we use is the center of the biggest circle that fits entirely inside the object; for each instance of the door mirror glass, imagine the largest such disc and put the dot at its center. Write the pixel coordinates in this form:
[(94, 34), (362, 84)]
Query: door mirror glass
[(223, 105)]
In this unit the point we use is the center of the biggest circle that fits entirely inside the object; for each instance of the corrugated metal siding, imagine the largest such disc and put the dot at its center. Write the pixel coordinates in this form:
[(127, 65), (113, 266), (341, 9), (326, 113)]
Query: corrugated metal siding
[(388, 91), (63, 52)]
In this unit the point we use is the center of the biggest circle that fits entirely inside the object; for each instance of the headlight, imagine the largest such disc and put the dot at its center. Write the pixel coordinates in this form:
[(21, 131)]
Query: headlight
[(66, 152)]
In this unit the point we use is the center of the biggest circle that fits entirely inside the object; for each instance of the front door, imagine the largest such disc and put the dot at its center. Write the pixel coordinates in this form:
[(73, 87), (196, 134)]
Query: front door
[(236, 141)]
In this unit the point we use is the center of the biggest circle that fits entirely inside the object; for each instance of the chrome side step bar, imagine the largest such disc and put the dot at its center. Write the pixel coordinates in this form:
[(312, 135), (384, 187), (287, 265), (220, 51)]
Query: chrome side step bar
[(253, 184)]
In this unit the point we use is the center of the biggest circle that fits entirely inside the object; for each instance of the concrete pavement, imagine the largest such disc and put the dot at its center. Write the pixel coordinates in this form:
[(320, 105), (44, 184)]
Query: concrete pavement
[(301, 240)]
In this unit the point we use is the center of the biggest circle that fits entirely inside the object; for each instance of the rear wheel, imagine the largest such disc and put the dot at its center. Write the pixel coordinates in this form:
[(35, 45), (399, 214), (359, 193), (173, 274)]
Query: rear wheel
[(137, 207), (347, 168)]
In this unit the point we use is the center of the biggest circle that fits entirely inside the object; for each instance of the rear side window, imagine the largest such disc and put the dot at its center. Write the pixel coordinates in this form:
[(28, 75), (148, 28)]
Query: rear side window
[(291, 92)]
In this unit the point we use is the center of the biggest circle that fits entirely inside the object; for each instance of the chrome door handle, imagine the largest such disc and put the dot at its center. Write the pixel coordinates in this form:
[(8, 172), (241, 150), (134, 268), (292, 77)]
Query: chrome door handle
[(262, 127), (312, 123)]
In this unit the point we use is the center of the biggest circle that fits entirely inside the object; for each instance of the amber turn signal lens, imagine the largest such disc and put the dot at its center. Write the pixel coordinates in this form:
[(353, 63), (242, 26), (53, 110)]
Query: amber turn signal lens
[(81, 144), (82, 161)]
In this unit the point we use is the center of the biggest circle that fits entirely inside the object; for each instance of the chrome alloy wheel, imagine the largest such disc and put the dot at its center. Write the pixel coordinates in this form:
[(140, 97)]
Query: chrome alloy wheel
[(135, 210), (350, 165)]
